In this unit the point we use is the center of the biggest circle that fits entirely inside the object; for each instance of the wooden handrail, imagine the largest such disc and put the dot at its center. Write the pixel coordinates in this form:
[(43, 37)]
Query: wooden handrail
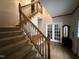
[(32, 24), (20, 11), (20, 15), (47, 39)]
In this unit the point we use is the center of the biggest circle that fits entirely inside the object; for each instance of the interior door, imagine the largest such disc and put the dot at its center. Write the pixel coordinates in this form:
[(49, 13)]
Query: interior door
[(57, 32)]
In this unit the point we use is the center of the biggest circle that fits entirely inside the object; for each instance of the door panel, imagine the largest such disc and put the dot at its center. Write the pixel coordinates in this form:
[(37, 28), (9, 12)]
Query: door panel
[(55, 31), (66, 40)]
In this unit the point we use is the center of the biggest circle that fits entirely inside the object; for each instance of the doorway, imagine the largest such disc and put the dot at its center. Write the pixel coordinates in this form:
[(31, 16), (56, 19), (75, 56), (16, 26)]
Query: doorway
[(55, 31), (66, 36)]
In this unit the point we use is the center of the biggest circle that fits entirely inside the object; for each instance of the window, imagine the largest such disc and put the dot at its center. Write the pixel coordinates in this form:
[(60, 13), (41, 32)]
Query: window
[(57, 32), (78, 30), (65, 31)]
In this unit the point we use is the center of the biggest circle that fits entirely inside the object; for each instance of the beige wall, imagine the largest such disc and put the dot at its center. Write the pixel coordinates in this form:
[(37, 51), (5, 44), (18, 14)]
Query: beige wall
[(8, 13), (63, 19)]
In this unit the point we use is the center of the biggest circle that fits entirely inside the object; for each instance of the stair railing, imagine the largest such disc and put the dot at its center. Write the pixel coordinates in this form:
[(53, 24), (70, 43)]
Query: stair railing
[(40, 41), (37, 7)]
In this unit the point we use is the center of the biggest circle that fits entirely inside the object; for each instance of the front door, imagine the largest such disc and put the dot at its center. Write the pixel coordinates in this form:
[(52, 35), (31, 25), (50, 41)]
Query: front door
[(66, 36)]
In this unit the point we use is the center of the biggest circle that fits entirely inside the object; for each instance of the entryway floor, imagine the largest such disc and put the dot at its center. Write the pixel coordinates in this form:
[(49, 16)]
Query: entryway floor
[(61, 52)]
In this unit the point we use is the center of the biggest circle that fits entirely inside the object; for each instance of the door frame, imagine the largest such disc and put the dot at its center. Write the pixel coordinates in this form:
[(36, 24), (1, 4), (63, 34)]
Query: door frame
[(53, 31)]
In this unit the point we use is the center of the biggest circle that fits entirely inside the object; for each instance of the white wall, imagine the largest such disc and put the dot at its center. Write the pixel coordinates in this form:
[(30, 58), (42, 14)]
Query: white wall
[(64, 20), (8, 13), (42, 25), (75, 18)]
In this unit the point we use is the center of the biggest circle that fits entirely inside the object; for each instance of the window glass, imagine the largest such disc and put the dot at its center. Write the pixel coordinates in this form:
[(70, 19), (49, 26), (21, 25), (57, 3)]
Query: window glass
[(78, 30), (65, 31)]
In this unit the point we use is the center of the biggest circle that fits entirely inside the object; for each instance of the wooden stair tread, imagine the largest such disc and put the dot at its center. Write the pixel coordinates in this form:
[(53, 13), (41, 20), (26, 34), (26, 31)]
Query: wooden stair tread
[(11, 41), (11, 37), (7, 35), (20, 53), (11, 50), (15, 45), (12, 45), (31, 55)]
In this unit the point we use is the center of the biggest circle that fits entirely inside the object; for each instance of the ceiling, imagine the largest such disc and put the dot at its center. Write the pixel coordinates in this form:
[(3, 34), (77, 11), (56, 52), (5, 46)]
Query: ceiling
[(59, 7)]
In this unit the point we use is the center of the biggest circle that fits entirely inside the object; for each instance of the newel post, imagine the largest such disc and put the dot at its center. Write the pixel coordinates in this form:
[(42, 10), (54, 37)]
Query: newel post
[(20, 23), (48, 45)]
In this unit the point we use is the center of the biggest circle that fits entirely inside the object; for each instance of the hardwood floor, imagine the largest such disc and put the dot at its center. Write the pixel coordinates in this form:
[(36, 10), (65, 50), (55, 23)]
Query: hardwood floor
[(60, 52)]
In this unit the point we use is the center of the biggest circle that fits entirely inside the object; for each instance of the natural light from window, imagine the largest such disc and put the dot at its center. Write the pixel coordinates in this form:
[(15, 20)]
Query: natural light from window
[(78, 30)]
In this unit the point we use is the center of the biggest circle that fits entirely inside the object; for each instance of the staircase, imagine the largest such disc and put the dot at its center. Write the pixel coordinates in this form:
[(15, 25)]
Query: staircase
[(24, 41), (14, 44), (39, 40)]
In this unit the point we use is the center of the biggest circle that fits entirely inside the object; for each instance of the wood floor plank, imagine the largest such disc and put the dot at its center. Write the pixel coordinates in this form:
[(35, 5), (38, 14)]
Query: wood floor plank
[(61, 52)]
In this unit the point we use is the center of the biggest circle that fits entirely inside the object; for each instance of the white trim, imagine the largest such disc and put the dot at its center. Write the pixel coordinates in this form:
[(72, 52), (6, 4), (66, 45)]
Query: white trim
[(53, 31)]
